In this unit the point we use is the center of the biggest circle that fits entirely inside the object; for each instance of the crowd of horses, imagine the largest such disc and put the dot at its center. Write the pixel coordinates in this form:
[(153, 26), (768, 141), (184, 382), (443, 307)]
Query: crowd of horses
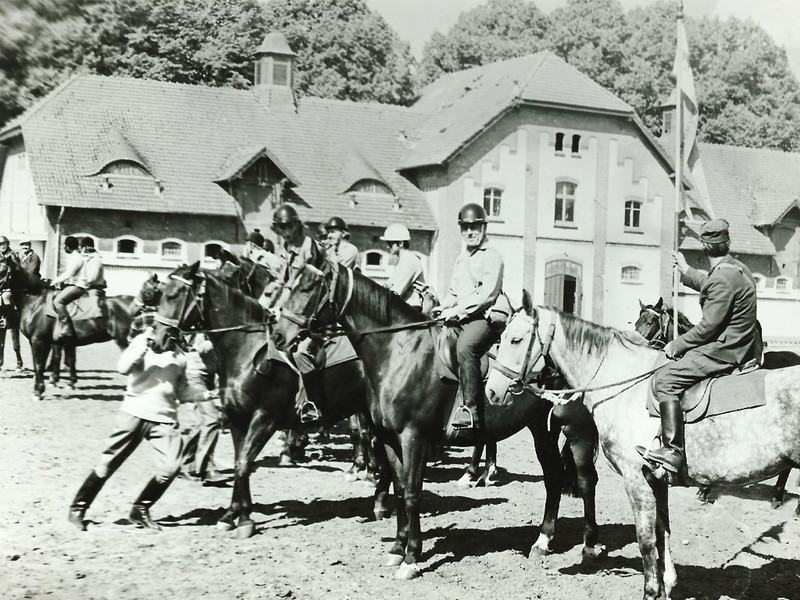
[(405, 406)]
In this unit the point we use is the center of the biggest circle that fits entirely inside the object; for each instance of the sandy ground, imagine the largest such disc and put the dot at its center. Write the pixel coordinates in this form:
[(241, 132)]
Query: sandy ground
[(315, 538)]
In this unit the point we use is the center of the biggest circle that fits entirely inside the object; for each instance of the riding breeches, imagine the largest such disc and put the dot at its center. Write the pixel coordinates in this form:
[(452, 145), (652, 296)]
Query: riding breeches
[(165, 438), (309, 356), (67, 295), (474, 341), (676, 377)]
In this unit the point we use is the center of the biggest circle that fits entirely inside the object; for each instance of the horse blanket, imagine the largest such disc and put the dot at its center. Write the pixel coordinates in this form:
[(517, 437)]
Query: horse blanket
[(89, 306)]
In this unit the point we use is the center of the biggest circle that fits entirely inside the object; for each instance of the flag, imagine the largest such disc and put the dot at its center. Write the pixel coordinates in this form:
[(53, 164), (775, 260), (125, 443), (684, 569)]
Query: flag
[(687, 99)]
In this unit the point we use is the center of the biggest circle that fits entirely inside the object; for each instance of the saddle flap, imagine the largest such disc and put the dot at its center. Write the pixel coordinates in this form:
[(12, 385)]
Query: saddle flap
[(445, 340), (88, 306)]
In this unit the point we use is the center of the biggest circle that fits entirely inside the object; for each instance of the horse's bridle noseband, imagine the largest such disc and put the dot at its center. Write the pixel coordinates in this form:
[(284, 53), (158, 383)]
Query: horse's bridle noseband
[(192, 301), (661, 335), (522, 379)]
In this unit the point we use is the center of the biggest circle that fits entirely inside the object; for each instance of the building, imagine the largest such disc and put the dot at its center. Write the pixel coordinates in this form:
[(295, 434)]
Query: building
[(580, 194)]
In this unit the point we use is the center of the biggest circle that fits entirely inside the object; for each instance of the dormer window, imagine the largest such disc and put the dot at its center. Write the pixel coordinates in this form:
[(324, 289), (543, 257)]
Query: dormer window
[(371, 186)]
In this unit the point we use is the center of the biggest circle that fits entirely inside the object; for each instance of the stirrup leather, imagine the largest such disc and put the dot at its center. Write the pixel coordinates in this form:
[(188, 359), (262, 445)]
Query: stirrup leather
[(463, 408)]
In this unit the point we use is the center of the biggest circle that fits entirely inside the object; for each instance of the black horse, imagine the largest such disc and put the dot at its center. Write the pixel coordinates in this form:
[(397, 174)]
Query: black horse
[(410, 405), (655, 323)]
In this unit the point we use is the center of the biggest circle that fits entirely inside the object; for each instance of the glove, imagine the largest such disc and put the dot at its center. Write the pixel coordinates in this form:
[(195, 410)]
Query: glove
[(449, 314), (669, 350)]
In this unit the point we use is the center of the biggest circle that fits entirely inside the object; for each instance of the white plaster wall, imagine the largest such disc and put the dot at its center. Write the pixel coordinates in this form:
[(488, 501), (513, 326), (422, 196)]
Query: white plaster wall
[(621, 306), (510, 248), (20, 214)]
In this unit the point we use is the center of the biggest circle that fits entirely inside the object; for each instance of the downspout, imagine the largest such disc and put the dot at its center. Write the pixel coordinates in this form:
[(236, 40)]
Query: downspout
[(58, 239)]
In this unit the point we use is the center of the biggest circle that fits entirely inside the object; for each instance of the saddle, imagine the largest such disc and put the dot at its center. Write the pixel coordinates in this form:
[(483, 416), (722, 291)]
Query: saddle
[(740, 390), (89, 306), (444, 340)]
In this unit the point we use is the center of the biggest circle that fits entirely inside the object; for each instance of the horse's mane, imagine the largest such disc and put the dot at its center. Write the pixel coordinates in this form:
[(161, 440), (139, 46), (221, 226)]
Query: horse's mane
[(234, 297), (375, 301), (596, 338), (683, 321), (22, 279)]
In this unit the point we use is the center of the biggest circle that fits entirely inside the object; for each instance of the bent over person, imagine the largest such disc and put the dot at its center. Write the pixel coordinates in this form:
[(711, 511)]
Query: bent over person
[(475, 286), (149, 412), (725, 338)]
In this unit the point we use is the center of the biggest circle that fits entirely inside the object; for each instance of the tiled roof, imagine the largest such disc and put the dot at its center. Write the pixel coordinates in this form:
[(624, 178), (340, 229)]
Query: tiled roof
[(187, 136), (750, 187), (462, 104)]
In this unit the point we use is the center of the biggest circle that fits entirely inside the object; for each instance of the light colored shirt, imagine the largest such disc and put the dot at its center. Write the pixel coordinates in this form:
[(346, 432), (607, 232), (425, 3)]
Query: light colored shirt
[(406, 273), (71, 269), (155, 381), (345, 254), (91, 272), (476, 282)]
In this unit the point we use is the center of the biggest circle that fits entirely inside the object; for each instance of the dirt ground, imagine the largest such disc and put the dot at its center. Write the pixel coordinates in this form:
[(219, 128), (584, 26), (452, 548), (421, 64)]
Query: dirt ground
[(315, 538)]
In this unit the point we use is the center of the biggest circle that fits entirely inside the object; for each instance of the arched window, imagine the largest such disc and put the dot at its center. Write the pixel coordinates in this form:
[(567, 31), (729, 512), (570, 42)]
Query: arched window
[(565, 203), (211, 251), (559, 142), (576, 144), (172, 250), (491, 201), (375, 264), (127, 246), (633, 213), (631, 274), (783, 284)]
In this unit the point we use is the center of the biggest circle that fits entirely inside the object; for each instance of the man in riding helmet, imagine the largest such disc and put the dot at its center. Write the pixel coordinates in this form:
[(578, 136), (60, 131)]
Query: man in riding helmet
[(71, 290), (261, 251), (295, 251), (407, 277), (725, 338), (475, 285), (340, 250)]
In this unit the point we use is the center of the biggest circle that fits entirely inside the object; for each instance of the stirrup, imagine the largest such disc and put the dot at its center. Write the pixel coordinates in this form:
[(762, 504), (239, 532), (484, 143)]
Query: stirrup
[(309, 412), (466, 409)]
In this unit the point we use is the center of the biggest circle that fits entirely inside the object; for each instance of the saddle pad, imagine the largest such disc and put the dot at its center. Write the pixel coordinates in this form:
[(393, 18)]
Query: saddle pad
[(444, 340), (337, 351), (88, 306), (717, 396)]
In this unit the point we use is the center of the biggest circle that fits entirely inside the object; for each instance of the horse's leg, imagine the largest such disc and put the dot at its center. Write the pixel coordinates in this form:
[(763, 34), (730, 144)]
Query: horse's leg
[(398, 550), (55, 364), (780, 489), (490, 466), (17, 349), (69, 358), (2, 346), (643, 503), (383, 479), (665, 564), (359, 463), (415, 451), (39, 351), (472, 474), (228, 520), (546, 444), (583, 451), (372, 469)]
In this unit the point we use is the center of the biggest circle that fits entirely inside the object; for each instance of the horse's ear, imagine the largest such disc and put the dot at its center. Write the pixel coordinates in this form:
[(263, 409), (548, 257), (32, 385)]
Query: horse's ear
[(193, 269), (527, 302), (641, 306), (154, 278), (659, 303)]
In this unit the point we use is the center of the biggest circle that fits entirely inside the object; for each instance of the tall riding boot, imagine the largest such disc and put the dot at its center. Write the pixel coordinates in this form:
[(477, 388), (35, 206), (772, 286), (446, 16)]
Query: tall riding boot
[(17, 351), (67, 329), (671, 455), (313, 408), (466, 416), (84, 498), (140, 512)]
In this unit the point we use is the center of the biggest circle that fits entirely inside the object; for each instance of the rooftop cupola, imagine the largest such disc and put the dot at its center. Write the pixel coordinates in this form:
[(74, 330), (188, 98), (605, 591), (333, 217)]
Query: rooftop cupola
[(274, 76)]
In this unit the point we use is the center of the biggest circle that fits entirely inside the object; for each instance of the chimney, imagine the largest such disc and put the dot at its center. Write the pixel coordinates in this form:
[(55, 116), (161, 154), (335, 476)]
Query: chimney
[(274, 72)]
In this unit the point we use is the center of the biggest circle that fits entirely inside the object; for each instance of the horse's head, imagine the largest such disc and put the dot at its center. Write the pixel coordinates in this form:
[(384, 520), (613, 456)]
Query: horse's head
[(523, 350), (179, 308), (148, 297), (309, 307), (651, 322)]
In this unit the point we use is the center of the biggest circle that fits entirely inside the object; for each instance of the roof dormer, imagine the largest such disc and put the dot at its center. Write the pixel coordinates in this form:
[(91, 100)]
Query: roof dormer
[(274, 70)]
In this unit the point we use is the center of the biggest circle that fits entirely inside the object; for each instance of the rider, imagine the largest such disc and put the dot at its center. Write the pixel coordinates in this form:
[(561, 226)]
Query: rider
[(474, 287), (724, 339), (29, 260), (295, 251), (407, 278), (340, 250), (71, 289)]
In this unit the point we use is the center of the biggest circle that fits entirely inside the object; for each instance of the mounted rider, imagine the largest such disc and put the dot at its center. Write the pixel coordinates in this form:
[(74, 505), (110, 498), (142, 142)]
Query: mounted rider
[(29, 260), (407, 279), (296, 250), (84, 272), (340, 250), (475, 285), (724, 339)]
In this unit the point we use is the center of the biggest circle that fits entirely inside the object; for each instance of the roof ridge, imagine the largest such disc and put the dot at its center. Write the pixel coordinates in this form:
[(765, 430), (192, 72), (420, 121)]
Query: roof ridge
[(750, 148), (587, 78), (366, 103)]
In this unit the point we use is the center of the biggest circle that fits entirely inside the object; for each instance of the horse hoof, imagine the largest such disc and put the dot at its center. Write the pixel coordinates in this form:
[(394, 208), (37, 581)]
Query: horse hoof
[(350, 476), (407, 572), (393, 560), (490, 479), (467, 481), (537, 554), (246, 529), (287, 461), (380, 515), (225, 526), (775, 503), (591, 553)]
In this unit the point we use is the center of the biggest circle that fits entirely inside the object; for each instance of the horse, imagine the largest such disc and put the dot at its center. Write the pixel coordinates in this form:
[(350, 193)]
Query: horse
[(256, 402), (736, 448), (655, 323), (410, 405), (35, 325)]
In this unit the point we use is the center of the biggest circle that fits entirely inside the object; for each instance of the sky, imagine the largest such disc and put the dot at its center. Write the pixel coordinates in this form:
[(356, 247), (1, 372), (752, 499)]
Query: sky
[(416, 20)]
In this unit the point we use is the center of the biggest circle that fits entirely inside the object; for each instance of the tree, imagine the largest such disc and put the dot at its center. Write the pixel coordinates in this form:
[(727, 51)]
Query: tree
[(344, 50), (498, 30)]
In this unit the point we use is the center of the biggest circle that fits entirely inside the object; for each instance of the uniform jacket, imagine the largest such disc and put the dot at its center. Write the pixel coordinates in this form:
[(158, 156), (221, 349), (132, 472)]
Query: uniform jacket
[(31, 262), (477, 281), (727, 330)]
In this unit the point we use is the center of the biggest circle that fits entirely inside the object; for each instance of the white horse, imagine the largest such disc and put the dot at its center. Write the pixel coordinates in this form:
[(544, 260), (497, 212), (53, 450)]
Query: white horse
[(611, 368)]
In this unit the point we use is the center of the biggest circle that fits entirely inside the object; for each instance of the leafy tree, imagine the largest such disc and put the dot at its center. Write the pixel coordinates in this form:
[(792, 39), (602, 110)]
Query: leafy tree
[(498, 30), (344, 50)]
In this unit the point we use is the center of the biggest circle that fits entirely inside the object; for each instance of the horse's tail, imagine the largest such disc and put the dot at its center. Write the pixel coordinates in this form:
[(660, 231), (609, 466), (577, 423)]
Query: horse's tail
[(571, 484)]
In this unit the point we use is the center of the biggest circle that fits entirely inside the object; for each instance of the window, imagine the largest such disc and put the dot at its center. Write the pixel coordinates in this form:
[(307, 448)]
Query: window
[(172, 250), (631, 274), (373, 259), (565, 202), (783, 284), (559, 142), (370, 186), (127, 246), (576, 144), (491, 201), (280, 71), (212, 250), (667, 121), (633, 212)]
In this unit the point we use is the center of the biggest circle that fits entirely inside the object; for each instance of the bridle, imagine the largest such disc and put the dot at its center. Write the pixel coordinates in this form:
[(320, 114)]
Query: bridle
[(192, 301), (523, 378), (660, 329)]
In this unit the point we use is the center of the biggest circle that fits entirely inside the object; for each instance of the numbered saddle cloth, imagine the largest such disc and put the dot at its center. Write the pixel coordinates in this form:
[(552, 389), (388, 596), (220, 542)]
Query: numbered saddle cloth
[(89, 306), (717, 395)]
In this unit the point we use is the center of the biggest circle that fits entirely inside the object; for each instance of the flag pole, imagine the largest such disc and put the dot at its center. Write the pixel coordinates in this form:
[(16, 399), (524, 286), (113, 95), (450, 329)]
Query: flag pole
[(678, 178)]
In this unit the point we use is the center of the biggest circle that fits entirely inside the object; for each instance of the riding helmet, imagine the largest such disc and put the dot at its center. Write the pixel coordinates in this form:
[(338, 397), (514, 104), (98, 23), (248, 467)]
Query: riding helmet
[(472, 213), (396, 233), (256, 238), (336, 223), (4, 240), (284, 214)]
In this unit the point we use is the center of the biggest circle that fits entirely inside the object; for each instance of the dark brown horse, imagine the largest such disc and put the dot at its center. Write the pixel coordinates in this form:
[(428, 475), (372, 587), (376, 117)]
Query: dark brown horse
[(410, 405), (259, 402), (655, 324), (31, 296)]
